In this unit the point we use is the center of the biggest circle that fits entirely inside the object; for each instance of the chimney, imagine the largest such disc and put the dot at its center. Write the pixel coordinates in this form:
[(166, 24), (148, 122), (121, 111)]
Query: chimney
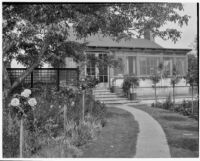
[(148, 35)]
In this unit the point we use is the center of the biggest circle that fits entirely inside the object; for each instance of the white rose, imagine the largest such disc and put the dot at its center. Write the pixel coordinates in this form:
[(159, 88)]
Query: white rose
[(27, 91), (32, 102), (24, 94), (15, 102), (72, 104)]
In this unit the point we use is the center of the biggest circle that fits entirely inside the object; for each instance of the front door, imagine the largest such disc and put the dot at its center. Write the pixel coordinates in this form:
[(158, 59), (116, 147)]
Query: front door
[(98, 71), (103, 69)]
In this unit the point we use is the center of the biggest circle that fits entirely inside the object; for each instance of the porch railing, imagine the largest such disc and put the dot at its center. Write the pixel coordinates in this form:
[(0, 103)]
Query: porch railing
[(162, 91)]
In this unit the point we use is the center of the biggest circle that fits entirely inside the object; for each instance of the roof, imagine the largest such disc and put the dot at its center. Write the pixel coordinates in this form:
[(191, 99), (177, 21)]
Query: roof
[(99, 40)]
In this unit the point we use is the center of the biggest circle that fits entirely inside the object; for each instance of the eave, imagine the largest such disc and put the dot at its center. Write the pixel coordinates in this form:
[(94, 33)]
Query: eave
[(142, 49)]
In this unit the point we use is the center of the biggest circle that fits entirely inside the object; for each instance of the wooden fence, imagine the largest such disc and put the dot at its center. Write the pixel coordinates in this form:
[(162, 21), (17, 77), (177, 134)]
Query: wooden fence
[(53, 76)]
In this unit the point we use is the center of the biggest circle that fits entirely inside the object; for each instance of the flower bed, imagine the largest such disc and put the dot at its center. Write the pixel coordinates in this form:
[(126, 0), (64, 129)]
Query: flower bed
[(185, 108), (44, 125)]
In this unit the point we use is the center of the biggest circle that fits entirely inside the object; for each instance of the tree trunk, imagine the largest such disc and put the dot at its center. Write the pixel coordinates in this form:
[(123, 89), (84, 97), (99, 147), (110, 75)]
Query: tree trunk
[(173, 96), (29, 70), (192, 99), (6, 82), (155, 97)]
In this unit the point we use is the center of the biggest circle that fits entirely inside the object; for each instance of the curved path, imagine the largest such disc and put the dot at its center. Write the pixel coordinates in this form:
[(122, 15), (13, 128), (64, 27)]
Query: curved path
[(151, 142)]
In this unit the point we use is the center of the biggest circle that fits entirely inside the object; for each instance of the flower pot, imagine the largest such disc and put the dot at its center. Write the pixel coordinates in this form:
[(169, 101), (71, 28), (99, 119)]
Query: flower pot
[(132, 96), (112, 89)]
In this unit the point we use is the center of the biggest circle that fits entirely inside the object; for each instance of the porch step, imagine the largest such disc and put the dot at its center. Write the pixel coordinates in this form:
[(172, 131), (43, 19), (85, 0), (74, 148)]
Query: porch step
[(101, 91), (105, 96), (110, 99), (119, 102)]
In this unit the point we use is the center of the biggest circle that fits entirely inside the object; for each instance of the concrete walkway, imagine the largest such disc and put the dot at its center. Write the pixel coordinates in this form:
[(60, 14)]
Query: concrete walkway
[(151, 141)]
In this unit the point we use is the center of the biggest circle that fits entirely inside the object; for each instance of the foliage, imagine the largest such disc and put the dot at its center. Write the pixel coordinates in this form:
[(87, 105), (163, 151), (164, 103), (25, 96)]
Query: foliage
[(47, 123), (175, 76), (130, 81), (192, 75), (10, 135), (166, 105), (88, 83), (185, 108), (59, 147), (155, 78)]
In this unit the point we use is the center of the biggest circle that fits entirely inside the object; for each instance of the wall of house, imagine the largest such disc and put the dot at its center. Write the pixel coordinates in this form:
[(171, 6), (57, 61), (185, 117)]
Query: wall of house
[(145, 85)]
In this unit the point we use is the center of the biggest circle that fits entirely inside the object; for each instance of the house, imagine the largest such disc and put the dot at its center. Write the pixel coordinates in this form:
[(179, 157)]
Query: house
[(137, 56)]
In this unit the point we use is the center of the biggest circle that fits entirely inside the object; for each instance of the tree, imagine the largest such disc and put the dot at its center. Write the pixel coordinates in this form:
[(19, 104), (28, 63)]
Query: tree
[(192, 76), (174, 80), (42, 30), (155, 79), (158, 75)]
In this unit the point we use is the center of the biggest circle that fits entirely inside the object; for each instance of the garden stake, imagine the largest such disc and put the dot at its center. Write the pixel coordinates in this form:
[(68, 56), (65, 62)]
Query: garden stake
[(21, 138), (83, 105), (65, 117)]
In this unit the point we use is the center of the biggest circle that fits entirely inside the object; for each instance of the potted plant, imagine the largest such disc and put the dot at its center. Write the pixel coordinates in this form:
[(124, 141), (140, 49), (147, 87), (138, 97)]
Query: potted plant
[(129, 85), (113, 87)]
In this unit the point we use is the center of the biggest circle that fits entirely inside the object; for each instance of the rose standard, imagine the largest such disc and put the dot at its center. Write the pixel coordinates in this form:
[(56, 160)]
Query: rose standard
[(22, 105)]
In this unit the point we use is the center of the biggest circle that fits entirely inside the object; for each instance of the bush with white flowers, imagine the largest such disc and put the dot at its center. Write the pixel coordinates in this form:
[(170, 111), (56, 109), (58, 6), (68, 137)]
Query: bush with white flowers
[(21, 104)]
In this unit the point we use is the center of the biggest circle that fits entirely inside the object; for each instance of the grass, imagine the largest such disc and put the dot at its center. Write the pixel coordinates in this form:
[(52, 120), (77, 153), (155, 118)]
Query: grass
[(181, 131), (117, 138)]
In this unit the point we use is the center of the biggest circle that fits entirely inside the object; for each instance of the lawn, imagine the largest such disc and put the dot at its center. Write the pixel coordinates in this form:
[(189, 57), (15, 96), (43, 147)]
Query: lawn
[(181, 131), (117, 138)]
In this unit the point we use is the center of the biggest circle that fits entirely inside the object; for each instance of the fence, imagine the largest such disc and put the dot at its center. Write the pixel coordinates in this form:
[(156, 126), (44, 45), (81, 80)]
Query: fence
[(165, 91), (53, 76)]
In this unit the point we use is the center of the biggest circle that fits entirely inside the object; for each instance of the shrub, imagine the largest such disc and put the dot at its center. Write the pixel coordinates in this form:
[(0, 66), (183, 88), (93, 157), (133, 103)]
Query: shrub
[(60, 147), (185, 107), (10, 136), (128, 82), (46, 123), (166, 105)]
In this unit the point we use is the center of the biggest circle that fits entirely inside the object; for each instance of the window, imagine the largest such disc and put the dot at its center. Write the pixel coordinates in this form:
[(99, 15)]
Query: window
[(168, 65), (132, 65), (91, 65), (180, 66), (148, 65), (119, 69)]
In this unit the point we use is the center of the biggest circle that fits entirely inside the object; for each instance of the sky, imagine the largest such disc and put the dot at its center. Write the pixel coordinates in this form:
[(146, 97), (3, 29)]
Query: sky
[(189, 32)]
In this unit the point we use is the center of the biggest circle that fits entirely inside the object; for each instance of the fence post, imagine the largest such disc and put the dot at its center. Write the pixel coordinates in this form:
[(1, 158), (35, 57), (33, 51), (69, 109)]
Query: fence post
[(58, 79), (32, 79), (83, 104)]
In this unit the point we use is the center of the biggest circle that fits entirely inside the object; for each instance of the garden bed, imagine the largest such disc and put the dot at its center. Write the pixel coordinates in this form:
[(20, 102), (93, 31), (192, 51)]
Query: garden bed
[(181, 131), (56, 125)]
